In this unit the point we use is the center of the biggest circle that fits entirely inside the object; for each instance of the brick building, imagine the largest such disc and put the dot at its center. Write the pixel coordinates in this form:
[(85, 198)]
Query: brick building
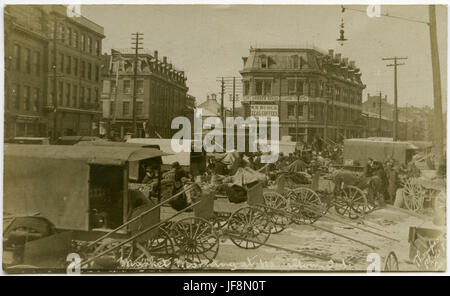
[(414, 123), (25, 72), (51, 78), (161, 94), (313, 93)]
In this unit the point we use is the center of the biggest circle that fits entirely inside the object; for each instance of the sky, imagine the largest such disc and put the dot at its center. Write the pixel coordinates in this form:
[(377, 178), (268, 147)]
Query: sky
[(209, 41)]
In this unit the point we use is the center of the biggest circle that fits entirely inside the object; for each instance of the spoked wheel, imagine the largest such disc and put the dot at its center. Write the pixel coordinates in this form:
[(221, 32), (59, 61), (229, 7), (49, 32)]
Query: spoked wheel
[(196, 240), (305, 205), (371, 205), (413, 195), (351, 202), (391, 262), (249, 227), (276, 204)]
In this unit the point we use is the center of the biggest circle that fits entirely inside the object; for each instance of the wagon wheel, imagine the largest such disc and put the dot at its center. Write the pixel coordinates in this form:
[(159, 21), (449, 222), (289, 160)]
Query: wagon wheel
[(305, 205), (371, 205), (351, 201), (249, 227), (391, 262), (196, 240), (413, 195), (275, 201)]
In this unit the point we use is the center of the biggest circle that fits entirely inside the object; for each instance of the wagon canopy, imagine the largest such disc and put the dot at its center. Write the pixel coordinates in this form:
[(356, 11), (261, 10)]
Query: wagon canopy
[(378, 149), (88, 153), (183, 158)]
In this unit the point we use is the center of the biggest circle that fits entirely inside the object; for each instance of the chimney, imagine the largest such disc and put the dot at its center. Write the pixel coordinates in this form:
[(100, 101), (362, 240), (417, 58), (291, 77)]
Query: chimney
[(213, 97), (352, 64), (338, 57), (156, 55), (164, 60), (331, 53), (170, 66), (345, 60), (244, 59)]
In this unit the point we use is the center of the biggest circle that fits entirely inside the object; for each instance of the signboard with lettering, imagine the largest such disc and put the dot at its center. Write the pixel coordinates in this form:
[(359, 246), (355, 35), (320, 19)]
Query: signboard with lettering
[(263, 110)]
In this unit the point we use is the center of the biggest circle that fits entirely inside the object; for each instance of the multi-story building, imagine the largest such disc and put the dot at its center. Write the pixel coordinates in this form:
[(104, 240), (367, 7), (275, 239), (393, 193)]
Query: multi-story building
[(161, 94), (52, 73), (74, 54), (413, 123), (313, 93), (25, 71)]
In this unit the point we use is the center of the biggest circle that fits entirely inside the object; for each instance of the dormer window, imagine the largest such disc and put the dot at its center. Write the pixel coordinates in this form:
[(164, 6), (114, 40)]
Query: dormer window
[(294, 62), (264, 61)]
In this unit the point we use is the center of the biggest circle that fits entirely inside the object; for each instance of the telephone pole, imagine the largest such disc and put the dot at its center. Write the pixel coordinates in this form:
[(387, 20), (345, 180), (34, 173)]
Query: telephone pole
[(222, 93), (379, 116), (234, 93), (54, 88), (395, 65), (136, 43), (438, 122)]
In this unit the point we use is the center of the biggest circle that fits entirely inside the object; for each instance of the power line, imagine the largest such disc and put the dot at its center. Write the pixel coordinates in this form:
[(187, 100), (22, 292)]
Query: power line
[(392, 16)]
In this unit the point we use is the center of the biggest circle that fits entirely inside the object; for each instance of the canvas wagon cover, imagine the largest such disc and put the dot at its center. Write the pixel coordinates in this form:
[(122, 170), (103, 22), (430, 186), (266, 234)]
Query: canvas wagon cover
[(362, 149), (53, 180)]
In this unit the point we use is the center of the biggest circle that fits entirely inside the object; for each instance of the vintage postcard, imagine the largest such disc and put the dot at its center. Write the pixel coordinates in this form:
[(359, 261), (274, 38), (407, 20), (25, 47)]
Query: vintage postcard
[(224, 138)]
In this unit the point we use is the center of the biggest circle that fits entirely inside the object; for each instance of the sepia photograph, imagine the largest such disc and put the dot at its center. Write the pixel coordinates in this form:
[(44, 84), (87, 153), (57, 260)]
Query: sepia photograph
[(224, 138)]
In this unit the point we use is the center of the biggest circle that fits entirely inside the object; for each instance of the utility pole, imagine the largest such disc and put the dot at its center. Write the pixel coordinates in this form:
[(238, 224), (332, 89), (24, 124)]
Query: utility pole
[(395, 65), (222, 93), (234, 92), (54, 88), (379, 116), (438, 122), (136, 43)]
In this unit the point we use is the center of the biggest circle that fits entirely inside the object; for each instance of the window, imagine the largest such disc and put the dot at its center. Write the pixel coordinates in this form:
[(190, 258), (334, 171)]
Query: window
[(96, 98), (140, 86), (97, 73), (69, 37), (82, 43), (89, 95), (68, 64), (98, 48), (37, 63), (263, 60), (75, 66), (75, 39), (28, 60), (113, 86), (15, 95), (126, 108), (246, 88), (83, 69), (139, 108), (89, 71), (89, 44), (126, 86), (295, 87), (81, 97), (74, 96), (35, 99), (17, 54), (294, 62), (68, 97), (26, 98), (291, 110), (62, 36), (61, 62), (60, 92), (113, 107)]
